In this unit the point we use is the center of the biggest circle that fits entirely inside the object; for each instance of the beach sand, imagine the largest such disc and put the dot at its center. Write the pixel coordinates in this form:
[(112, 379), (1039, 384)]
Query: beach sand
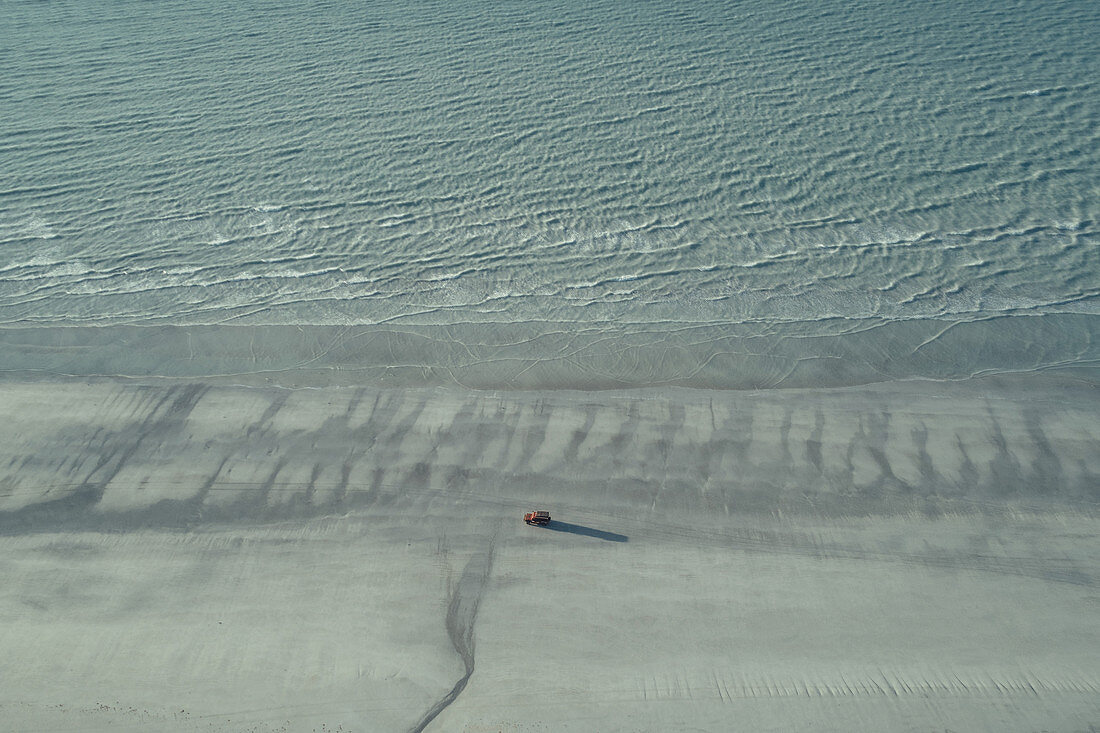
[(198, 556)]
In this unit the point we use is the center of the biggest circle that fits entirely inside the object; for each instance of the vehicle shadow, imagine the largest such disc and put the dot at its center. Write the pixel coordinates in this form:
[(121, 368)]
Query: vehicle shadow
[(586, 531)]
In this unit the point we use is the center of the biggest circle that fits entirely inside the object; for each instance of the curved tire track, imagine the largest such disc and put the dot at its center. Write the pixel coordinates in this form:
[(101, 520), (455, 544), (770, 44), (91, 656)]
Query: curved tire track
[(461, 615)]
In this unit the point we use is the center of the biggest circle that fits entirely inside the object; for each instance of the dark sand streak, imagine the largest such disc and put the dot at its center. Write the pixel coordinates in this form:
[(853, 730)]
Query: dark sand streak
[(461, 614)]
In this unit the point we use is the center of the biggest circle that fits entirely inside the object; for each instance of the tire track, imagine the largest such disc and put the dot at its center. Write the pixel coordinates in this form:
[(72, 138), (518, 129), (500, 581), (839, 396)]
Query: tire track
[(461, 615)]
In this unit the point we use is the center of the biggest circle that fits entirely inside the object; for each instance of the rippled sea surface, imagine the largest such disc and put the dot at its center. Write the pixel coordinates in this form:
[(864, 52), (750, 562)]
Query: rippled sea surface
[(531, 194)]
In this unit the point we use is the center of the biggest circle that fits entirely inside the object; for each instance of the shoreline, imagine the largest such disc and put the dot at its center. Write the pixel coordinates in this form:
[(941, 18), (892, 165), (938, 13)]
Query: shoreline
[(522, 356)]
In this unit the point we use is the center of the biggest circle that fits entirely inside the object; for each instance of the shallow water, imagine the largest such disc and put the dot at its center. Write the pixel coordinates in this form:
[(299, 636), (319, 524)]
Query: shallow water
[(545, 195)]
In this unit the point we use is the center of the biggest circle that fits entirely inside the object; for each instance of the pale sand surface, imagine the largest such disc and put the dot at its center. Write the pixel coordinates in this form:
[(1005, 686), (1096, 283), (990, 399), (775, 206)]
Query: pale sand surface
[(197, 557)]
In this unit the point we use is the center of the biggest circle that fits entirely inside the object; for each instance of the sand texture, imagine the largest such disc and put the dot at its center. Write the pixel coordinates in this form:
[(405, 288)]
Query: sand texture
[(193, 557)]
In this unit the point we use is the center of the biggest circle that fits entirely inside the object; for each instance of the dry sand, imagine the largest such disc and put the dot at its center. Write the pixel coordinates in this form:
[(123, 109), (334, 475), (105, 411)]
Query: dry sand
[(208, 557)]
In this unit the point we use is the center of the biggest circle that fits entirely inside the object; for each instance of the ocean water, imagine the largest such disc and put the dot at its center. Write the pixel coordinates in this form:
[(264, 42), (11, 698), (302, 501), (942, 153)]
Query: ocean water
[(537, 195)]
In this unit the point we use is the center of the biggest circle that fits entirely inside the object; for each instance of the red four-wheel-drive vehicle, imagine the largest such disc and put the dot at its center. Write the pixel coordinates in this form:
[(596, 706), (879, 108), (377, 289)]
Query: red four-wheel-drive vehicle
[(540, 518)]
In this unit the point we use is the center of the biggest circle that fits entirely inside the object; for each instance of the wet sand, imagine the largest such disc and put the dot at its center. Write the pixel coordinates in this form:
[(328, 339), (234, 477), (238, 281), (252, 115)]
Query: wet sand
[(197, 556)]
